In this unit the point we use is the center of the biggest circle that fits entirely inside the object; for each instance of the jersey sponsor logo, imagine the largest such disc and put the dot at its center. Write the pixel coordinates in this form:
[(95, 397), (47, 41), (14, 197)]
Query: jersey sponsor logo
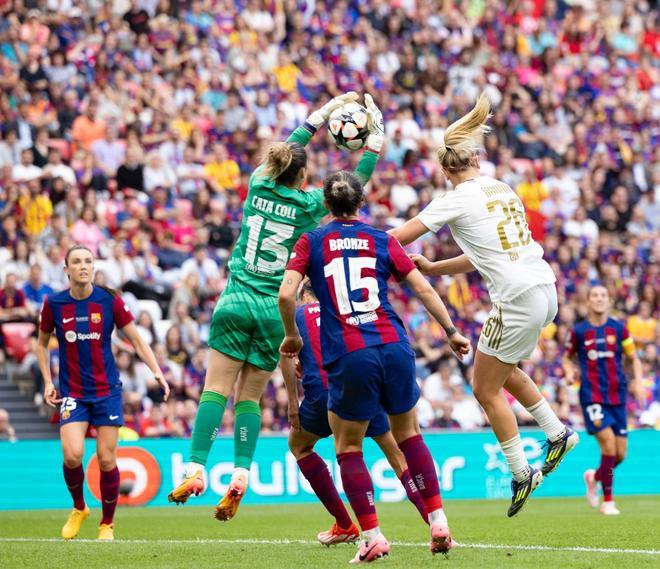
[(82, 319), (70, 336), (96, 317), (258, 269), (139, 476), (67, 320), (358, 319), (351, 243), (597, 354)]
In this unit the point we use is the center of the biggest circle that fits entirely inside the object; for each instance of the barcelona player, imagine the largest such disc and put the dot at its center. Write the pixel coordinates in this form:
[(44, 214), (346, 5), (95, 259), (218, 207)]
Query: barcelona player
[(83, 318), (309, 423), (365, 351), (487, 220), (599, 343), (245, 328)]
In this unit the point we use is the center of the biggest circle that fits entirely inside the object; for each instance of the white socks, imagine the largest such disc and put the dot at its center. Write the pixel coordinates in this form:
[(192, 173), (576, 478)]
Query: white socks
[(371, 534), (438, 517), (240, 473), (545, 417), (515, 458), (194, 467)]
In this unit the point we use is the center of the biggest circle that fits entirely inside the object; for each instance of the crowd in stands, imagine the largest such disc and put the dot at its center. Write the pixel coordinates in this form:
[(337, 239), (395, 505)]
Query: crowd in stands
[(132, 126)]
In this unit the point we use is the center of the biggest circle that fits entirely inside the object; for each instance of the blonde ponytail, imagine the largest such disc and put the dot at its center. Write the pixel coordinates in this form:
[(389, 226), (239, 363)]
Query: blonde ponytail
[(464, 137), (283, 162), (278, 159)]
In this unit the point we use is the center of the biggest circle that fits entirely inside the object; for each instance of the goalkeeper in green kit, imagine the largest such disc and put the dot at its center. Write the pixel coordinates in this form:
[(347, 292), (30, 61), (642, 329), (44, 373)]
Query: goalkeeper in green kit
[(246, 330)]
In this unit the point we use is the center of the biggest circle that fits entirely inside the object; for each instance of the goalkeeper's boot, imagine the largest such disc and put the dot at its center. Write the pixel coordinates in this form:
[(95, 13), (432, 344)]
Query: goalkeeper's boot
[(441, 541), (192, 484), (372, 550), (337, 535), (106, 532), (557, 450), (521, 491), (75, 521), (228, 506)]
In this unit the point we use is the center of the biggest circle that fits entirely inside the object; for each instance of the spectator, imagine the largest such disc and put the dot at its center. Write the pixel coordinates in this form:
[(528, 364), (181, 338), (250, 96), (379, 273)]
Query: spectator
[(86, 129), (7, 432), (158, 425), (13, 306), (35, 290)]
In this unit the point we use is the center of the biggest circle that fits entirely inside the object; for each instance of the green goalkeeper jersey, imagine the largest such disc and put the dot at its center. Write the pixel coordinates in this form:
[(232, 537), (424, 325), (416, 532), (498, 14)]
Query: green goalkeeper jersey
[(274, 217)]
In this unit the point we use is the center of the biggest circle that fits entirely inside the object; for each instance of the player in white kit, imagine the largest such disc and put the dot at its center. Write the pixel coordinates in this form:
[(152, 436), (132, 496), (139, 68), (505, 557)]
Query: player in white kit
[(487, 221)]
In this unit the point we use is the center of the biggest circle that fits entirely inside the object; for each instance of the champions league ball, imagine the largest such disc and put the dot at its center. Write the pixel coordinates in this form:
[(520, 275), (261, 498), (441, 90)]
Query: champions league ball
[(348, 126)]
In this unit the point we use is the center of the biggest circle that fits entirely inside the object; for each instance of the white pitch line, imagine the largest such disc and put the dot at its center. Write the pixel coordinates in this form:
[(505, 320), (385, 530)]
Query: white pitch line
[(309, 542)]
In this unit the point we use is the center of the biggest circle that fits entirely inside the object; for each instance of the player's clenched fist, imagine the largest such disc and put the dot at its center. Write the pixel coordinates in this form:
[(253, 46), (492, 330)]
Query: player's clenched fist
[(290, 346)]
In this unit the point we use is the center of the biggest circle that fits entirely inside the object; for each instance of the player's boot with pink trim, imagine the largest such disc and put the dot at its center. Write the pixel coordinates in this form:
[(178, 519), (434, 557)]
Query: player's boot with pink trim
[(372, 550), (592, 487), (192, 484), (441, 541), (228, 506)]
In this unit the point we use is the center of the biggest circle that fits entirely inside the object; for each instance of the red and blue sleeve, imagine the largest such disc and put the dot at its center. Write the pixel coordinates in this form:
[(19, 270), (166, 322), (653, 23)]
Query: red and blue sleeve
[(400, 264), (299, 260), (46, 322), (120, 312)]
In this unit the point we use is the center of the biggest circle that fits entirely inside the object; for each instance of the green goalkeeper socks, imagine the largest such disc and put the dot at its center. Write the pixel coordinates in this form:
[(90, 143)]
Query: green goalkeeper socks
[(207, 425), (246, 432)]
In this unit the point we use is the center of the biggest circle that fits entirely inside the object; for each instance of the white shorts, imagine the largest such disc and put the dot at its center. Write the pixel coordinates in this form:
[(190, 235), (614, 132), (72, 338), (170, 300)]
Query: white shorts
[(513, 328)]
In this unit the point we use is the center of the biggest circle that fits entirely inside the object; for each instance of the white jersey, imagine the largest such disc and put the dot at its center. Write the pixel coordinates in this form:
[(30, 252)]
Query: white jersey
[(487, 220)]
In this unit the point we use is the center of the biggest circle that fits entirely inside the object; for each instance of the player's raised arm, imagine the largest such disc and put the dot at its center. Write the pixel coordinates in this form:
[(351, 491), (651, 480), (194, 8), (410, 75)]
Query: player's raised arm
[(146, 354), (367, 164), (303, 134)]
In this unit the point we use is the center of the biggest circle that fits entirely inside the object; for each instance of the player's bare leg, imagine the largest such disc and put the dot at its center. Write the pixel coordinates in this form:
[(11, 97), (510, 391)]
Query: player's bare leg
[(608, 443), (219, 383), (405, 430), (315, 470), (560, 438), (73, 449), (106, 450), (490, 375), (247, 426), (397, 461)]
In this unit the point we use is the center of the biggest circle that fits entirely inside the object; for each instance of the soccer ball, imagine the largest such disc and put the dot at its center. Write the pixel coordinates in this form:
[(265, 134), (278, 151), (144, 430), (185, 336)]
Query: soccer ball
[(348, 126)]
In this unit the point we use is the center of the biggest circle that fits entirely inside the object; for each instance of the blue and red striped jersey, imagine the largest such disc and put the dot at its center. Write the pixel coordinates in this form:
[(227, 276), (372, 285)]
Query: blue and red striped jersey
[(349, 264), (599, 350), (83, 329), (315, 379)]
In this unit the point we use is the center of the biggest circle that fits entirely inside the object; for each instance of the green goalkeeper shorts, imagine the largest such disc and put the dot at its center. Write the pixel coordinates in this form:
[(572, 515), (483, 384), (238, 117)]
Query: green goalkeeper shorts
[(246, 325)]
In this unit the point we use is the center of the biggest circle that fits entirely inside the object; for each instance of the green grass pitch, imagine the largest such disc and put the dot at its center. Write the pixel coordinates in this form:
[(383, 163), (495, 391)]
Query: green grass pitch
[(556, 533)]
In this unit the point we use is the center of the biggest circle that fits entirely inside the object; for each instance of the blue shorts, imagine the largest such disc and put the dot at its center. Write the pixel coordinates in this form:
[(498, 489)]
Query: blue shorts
[(598, 416), (103, 412), (314, 418), (363, 382)]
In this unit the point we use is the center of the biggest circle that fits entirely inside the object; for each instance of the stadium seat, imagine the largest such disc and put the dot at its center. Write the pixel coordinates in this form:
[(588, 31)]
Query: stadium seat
[(17, 338), (161, 327), (152, 307)]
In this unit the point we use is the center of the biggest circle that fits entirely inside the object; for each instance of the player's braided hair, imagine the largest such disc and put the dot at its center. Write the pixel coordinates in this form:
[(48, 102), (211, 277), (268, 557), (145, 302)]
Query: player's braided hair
[(343, 193), (284, 161), (464, 137)]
